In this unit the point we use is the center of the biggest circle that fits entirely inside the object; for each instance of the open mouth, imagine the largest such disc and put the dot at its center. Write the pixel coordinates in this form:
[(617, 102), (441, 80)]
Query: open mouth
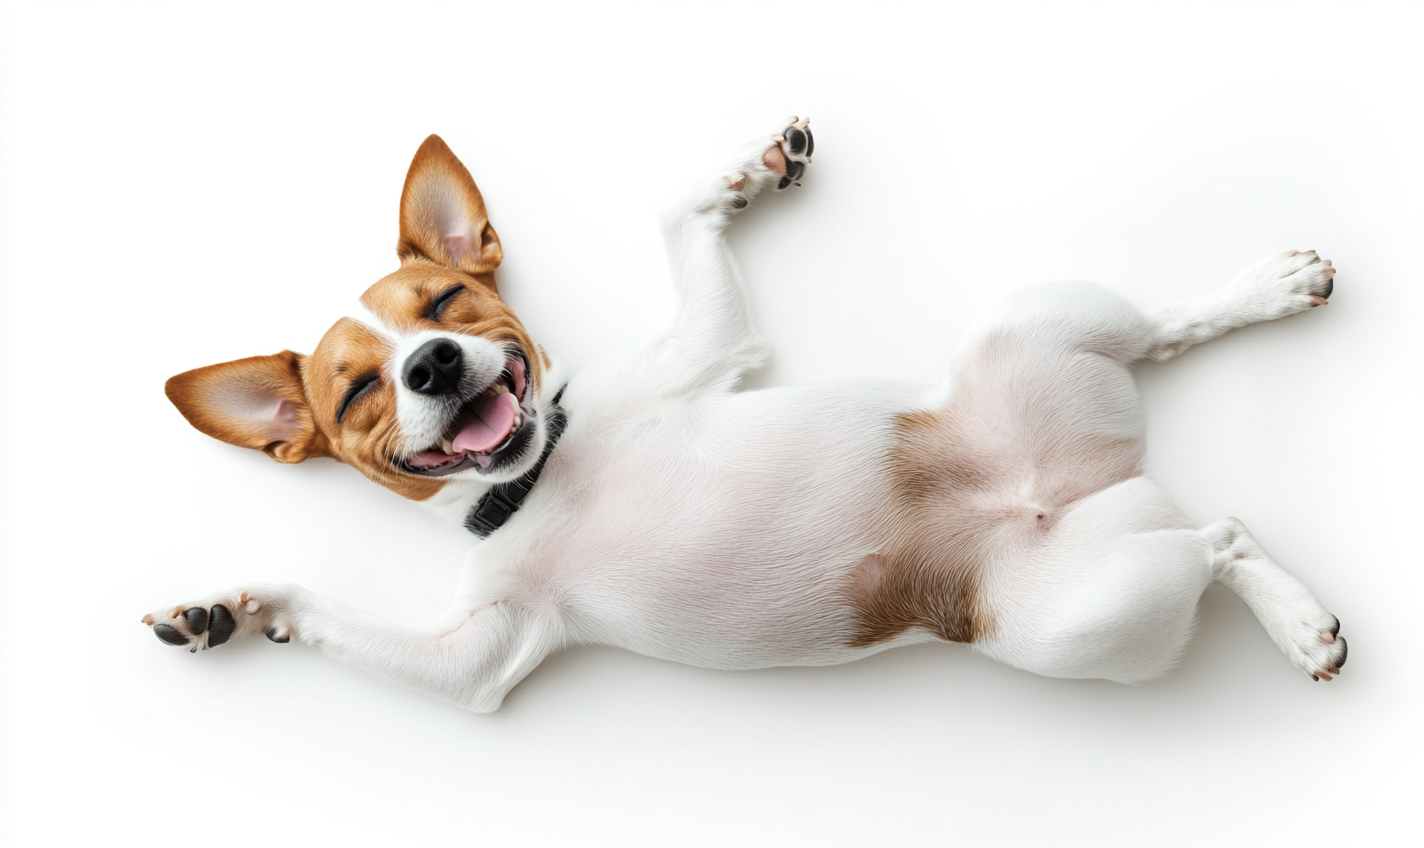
[(491, 428)]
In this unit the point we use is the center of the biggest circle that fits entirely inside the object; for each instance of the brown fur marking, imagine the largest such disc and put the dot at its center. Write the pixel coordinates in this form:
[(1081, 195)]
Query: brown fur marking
[(928, 577)]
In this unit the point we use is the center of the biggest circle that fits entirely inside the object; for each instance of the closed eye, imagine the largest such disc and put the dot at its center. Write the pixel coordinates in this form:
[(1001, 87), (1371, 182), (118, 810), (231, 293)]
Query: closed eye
[(434, 308), (360, 386)]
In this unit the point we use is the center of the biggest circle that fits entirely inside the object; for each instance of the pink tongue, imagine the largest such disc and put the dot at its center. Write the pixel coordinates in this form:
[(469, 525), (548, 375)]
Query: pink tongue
[(490, 423)]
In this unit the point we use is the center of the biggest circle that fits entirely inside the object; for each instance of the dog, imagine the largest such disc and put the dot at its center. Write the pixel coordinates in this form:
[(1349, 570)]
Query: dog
[(647, 504)]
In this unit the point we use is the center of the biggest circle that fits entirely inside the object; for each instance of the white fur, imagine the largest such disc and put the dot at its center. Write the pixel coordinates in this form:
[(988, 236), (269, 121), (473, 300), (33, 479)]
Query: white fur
[(682, 519)]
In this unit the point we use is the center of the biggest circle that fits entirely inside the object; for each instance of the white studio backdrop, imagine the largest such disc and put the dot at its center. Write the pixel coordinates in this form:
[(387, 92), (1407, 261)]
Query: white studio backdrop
[(182, 184)]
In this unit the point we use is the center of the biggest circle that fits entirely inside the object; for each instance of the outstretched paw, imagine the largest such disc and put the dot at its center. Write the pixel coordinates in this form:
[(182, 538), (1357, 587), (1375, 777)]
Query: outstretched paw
[(1287, 283), (211, 622), (1337, 649), (780, 162), (791, 152)]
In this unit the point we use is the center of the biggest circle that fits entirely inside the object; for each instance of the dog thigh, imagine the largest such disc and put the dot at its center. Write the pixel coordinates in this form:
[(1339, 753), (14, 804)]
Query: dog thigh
[(1069, 316), (1044, 398), (1111, 593)]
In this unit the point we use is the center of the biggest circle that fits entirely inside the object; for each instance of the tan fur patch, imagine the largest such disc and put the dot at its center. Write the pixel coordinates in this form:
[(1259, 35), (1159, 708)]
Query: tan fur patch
[(367, 437), (928, 577)]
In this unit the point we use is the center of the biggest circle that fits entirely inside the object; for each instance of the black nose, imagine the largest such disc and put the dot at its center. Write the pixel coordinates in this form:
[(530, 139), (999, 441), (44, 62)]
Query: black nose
[(435, 368)]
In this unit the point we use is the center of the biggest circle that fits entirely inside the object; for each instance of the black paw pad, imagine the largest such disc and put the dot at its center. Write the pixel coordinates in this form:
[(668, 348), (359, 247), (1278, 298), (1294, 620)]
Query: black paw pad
[(272, 634), (800, 141), (169, 634), (1335, 631), (1329, 287), (1344, 652), (794, 170), (739, 203), (220, 625), (197, 619)]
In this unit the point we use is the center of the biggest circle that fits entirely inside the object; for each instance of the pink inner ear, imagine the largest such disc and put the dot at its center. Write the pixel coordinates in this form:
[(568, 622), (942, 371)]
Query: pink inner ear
[(460, 246), (284, 419), (276, 417)]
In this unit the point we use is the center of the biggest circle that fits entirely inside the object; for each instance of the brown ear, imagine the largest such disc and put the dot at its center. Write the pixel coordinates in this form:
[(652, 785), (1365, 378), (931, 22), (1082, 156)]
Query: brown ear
[(257, 402), (442, 215)]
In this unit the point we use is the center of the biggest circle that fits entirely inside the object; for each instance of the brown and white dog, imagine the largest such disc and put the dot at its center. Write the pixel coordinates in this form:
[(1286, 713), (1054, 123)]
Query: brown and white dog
[(647, 504)]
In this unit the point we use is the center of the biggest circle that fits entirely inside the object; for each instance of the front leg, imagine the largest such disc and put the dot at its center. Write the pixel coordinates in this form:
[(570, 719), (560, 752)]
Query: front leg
[(471, 660), (713, 341)]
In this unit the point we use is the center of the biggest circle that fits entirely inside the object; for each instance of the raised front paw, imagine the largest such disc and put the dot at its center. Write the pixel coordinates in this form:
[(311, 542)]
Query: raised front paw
[(790, 152), (779, 161), (1287, 283), (211, 622)]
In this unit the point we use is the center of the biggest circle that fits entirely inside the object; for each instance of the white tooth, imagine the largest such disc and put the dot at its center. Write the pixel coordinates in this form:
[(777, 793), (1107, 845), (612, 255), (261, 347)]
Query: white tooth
[(446, 446)]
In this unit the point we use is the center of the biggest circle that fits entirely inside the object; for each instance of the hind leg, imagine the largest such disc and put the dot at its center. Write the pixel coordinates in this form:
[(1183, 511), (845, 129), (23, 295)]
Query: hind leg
[(1111, 593), (1087, 318), (1304, 631), (1272, 288)]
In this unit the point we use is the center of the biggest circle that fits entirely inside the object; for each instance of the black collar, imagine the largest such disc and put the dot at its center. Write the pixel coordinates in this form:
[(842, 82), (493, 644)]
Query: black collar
[(502, 500)]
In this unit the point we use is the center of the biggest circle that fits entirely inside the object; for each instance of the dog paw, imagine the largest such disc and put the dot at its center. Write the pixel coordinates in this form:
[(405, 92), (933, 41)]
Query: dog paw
[(1306, 633), (779, 161), (1287, 283), (217, 619), (790, 152), (1334, 652)]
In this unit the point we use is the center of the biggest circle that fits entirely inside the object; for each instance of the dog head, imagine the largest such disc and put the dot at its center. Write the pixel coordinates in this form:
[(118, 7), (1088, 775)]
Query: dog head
[(432, 380)]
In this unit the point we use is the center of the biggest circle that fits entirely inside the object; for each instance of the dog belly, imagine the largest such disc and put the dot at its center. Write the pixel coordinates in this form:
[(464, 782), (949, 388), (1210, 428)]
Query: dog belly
[(816, 525), (721, 532)]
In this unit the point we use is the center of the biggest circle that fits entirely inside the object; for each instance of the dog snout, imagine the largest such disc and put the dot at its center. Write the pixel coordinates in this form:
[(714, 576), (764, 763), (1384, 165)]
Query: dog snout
[(435, 368)]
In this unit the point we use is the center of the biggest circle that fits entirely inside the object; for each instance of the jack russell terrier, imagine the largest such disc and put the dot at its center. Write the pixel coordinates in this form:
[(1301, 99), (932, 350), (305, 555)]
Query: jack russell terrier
[(648, 504)]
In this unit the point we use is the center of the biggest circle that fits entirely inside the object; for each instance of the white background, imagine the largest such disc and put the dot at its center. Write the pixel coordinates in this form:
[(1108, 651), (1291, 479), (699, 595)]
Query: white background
[(190, 183)]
